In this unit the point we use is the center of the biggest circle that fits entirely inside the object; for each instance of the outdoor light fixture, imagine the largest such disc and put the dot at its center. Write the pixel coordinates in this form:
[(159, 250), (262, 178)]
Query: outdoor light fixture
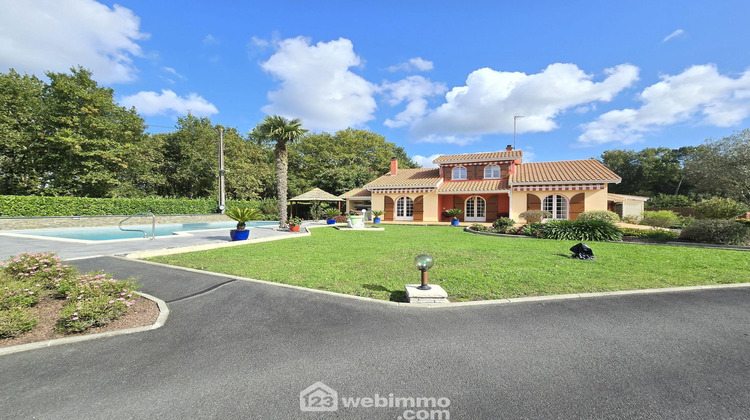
[(424, 262)]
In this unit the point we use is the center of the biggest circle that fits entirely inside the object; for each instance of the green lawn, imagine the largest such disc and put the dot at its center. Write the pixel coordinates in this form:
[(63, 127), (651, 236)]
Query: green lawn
[(468, 266)]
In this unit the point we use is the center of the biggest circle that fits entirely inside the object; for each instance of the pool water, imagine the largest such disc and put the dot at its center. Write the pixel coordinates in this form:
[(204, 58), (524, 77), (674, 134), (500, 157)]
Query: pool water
[(113, 232)]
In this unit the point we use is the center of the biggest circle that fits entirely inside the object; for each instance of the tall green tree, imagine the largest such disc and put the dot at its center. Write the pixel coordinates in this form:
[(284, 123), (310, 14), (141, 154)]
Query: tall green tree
[(280, 132), (191, 163), (342, 161), (722, 167), (648, 172), (21, 135)]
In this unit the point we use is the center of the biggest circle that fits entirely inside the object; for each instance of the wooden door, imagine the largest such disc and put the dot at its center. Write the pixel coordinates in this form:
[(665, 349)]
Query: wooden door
[(419, 209), (577, 206), (388, 215)]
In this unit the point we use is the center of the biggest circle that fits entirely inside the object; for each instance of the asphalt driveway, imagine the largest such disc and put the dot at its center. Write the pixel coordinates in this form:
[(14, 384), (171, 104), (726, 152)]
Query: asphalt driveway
[(245, 350)]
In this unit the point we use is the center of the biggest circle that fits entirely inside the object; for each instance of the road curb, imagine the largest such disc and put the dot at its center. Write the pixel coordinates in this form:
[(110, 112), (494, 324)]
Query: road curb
[(160, 320)]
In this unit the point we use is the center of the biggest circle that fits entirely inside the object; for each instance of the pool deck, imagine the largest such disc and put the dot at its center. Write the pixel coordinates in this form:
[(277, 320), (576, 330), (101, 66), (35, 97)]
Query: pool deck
[(10, 246)]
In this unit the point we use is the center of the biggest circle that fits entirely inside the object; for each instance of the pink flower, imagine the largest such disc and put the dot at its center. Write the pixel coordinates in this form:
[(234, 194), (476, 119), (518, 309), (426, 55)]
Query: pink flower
[(111, 301), (75, 318)]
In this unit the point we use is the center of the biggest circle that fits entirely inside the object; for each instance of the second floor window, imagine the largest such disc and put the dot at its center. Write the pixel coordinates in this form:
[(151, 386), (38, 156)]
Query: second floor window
[(459, 172), (491, 171)]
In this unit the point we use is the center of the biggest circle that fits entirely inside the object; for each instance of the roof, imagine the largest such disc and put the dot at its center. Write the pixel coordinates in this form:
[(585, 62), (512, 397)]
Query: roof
[(486, 185), (357, 193), (429, 177), (622, 197), (316, 195), (475, 157), (566, 171)]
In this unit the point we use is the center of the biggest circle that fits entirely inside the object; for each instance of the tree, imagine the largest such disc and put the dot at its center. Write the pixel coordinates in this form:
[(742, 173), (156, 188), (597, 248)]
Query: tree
[(345, 160), (648, 172), (722, 167), (281, 132), (191, 163)]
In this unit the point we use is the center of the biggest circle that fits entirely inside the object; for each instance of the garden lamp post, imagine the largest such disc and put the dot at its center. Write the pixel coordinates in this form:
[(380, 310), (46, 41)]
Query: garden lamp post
[(424, 262)]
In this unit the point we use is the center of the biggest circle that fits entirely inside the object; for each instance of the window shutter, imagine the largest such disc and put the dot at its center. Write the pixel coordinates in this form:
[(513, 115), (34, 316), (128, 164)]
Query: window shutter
[(388, 216), (472, 172), (533, 202), (448, 173), (577, 205), (419, 209), (458, 203), (492, 208)]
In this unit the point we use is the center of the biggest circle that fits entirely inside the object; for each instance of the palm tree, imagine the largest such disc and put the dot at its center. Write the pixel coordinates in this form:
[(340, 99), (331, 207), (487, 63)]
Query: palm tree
[(281, 131)]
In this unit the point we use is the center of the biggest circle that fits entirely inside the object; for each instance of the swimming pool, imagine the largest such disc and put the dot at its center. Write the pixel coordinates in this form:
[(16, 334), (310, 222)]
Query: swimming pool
[(109, 233)]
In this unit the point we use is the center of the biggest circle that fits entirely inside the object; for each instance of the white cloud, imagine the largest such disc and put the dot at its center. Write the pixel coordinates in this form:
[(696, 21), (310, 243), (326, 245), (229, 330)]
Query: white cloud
[(317, 85), (490, 98), (698, 95), (41, 35), (675, 34), (413, 90), (425, 161), (210, 40), (168, 102), (414, 64), (174, 72)]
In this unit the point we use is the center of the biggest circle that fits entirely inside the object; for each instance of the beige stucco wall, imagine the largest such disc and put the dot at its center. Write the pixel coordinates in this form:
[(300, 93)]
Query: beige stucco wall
[(593, 200), (430, 206), (632, 208)]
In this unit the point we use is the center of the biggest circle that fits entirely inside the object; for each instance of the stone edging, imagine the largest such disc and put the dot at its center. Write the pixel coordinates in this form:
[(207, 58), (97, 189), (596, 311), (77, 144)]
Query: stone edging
[(160, 320)]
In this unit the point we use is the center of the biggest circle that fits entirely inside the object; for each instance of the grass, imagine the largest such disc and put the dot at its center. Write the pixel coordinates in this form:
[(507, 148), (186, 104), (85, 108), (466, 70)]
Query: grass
[(467, 266)]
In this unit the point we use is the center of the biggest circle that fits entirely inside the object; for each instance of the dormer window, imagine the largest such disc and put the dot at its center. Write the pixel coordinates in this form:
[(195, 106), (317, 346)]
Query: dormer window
[(459, 172), (491, 172)]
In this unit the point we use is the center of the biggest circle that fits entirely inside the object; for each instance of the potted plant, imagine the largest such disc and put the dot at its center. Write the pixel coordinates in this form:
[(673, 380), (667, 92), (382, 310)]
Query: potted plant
[(294, 224), (454, 213), (242, 215), (377, 214), (331, 214), (355, 219)]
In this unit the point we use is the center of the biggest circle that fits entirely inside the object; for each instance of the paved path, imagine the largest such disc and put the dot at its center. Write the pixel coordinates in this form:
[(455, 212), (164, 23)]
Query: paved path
[(246, 350)]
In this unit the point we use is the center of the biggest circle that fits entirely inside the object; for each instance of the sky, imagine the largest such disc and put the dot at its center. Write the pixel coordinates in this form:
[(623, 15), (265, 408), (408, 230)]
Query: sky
[(440, 77)]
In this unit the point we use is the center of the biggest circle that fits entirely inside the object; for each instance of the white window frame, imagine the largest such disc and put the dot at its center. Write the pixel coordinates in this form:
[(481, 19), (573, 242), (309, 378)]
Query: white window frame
[(492, 176), (558, 205), (404, 209), (475, 215), (460, 170)]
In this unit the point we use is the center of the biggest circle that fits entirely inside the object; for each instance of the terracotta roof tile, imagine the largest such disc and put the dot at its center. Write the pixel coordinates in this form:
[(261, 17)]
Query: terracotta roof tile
[(429, 177), (469, 157), (357, 192), (563, 171), (474, 186)]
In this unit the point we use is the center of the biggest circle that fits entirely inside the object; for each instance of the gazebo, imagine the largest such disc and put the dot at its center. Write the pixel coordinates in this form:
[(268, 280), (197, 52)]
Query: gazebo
[(314, 196)]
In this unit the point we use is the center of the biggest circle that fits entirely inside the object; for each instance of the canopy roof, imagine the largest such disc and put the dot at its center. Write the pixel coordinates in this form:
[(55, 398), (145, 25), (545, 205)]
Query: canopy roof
[(316, 195)]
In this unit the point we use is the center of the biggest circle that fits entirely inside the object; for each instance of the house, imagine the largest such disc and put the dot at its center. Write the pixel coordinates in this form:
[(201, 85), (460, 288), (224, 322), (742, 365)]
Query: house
[(486, 186), (626, 205)]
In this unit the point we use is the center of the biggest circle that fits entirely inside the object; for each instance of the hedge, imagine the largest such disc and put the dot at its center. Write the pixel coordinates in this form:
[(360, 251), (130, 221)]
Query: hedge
[(31, 206)]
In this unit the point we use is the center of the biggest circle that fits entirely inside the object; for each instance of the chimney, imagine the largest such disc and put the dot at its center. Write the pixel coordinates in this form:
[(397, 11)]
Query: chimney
[(508, 148), (394, 166)]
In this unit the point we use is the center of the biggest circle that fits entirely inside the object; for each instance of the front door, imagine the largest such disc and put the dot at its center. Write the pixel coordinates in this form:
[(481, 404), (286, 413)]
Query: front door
[(475, 209), (404, 209)]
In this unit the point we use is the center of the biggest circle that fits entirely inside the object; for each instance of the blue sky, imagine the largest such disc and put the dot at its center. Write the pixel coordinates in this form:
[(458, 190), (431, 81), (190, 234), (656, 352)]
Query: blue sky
[(433, 77)]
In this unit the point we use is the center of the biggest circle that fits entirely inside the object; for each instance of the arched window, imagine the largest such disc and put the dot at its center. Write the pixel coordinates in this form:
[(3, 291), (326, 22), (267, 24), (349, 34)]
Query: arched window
[(474, 209), (459, 172), (491, 172), (557, 205), (404, 209)]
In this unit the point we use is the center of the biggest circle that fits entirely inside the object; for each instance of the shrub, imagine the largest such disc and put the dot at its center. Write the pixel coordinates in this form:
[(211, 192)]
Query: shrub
[(340, 219), (725, 232), (269, 207), (80, 315), (531, 229), (42, 267), (534, 216), (720, 208), (502, 224), (581, 230), (478, 227), (333, 212), (30, 206), (633, 220), (608, 216), (661, 218), (16, 321), (18, 294), (657, 235)]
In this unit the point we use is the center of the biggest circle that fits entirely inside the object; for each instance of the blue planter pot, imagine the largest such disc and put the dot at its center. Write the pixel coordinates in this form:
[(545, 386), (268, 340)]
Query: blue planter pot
[(331, 221), (239, 235), (454, 222), (376, 220)]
